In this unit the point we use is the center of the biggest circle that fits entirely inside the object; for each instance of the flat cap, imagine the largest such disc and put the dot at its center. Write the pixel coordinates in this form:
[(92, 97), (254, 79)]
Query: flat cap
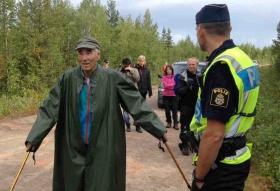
[(88, 42), (213, 13)]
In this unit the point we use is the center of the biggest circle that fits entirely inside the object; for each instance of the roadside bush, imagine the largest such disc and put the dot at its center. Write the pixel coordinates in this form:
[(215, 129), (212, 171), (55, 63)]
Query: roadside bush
[(266, 130), (17, 105)]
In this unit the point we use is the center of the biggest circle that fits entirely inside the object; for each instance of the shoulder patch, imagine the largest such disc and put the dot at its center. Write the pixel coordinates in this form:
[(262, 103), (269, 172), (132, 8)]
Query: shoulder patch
[(220, 97)]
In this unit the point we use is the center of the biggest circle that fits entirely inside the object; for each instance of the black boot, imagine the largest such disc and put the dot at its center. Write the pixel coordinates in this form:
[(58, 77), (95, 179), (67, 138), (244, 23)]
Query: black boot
[(176, 127), (185, 150), (128, 129), (138, 129), (168, 125)]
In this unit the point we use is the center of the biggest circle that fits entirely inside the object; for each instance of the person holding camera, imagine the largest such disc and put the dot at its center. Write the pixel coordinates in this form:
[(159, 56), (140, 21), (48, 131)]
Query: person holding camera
[(133, 75), (187, 89)]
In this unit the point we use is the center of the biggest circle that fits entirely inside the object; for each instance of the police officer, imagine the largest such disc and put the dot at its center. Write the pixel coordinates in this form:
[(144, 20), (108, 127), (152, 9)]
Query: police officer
[(186, 89), (225, 107)]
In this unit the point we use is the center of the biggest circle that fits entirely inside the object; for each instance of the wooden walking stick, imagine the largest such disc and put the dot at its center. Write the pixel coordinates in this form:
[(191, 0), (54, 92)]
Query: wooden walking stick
[(22, 165), (179, 168)]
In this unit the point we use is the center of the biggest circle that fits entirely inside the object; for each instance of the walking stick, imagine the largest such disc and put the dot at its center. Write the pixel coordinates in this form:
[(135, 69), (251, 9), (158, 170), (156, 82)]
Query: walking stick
[(22, 165), (179, 168)]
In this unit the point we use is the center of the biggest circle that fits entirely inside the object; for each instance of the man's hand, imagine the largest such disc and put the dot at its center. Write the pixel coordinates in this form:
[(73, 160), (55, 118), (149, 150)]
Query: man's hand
[(196, 186), (30, 147), (199, 185), (128, 68), (164, 138)]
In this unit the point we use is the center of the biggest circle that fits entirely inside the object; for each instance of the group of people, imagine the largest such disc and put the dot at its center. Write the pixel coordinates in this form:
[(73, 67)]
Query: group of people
[(180, 91), (90, 144), (140, 77)]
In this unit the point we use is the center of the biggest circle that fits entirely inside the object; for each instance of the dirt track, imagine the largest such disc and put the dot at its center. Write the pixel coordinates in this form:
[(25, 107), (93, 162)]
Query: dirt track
[(148, 168)]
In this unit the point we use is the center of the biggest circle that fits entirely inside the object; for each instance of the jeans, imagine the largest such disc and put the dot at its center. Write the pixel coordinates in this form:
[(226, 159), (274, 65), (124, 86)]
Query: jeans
[(126, 117)]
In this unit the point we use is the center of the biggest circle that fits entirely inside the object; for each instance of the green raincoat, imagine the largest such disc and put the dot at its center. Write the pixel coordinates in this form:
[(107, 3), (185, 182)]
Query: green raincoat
[(103, 166)]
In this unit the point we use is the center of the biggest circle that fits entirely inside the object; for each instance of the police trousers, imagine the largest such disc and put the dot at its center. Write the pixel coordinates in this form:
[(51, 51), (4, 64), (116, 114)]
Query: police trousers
[(226, 178)]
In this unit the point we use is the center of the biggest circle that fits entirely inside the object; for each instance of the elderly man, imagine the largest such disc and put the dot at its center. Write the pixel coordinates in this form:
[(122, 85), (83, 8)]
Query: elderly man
[(187, 89), (225, 107), (90, 145)]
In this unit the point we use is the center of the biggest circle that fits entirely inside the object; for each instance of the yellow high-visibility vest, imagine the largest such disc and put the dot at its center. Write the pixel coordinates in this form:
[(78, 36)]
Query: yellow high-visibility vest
[(247, 80)]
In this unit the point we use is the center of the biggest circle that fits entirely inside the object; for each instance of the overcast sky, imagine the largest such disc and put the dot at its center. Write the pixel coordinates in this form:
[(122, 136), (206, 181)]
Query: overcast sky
[(253, 21)]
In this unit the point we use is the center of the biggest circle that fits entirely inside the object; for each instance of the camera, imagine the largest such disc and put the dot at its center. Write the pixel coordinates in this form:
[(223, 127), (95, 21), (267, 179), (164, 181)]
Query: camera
[(123, 70)]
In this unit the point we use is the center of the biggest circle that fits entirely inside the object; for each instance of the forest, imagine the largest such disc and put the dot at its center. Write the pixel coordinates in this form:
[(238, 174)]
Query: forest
[(37, 42)]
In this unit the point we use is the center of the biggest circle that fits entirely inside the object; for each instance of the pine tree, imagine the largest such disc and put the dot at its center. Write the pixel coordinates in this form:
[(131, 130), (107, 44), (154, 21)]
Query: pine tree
[(168, 42), (163, 34), (7, 21), (276, 49), (112, 13)]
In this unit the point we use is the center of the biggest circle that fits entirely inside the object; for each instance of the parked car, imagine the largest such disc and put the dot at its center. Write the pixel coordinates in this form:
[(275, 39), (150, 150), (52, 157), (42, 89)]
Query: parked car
[(178, 68), (256, 62)]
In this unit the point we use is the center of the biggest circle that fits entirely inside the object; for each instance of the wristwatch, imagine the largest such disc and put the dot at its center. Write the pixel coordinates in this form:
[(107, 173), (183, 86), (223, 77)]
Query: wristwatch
[(197, 179)]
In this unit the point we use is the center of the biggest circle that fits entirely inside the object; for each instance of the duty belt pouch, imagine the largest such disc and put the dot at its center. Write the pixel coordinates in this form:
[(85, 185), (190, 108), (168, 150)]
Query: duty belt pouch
[(227, 149), (230, 146)]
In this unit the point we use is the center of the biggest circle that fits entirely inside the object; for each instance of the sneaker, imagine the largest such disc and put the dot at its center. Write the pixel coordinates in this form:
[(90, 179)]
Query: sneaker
[(138, 129)]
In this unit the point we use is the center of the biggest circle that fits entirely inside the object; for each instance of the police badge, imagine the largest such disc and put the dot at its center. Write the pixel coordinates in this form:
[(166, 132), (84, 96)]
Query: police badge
[(219, 97)]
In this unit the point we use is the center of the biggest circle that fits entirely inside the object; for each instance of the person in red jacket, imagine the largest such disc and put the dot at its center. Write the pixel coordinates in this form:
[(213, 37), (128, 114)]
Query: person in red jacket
[(164, 67), (169, 97)]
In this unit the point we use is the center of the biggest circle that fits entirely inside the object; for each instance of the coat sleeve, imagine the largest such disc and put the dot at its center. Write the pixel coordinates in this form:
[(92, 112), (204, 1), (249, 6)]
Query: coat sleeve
[(181, 88), (137, 107), (149, 85), (135, 75), (47, 115)]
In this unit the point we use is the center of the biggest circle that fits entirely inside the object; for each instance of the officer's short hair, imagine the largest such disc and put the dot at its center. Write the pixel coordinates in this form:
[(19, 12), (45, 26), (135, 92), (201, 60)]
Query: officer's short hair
[(217, 28)]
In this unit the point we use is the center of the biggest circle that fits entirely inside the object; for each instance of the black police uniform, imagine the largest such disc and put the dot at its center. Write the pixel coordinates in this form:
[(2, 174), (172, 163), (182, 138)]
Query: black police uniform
[(187, 99), (224, 176), (219, 76)]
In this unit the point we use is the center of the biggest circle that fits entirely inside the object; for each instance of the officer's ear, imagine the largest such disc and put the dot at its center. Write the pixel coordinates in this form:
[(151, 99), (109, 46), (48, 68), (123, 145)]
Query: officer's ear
[(230, 28), (98, 54), (200, 31)]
